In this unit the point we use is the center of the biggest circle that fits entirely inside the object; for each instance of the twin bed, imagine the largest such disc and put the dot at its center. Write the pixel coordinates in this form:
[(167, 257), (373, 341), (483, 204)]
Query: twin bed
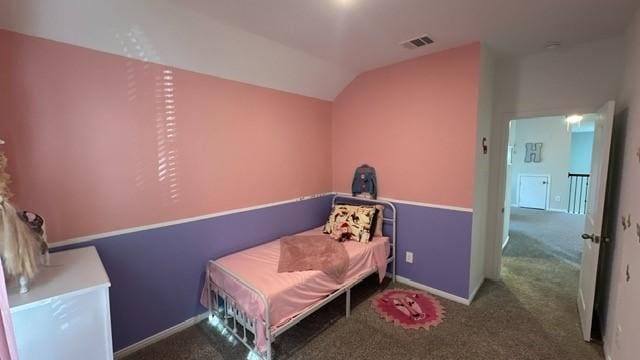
[(256, 303)]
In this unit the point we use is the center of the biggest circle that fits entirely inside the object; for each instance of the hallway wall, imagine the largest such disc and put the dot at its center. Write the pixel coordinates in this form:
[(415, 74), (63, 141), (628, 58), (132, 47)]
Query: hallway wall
[(581, 151), (556, 150)]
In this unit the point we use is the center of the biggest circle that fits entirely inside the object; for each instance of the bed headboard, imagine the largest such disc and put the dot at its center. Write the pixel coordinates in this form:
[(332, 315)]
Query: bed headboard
[(388, 208)]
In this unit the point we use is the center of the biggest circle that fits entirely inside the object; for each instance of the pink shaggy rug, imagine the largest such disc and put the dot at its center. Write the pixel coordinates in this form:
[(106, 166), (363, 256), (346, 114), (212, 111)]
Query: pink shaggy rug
[(408, 308)]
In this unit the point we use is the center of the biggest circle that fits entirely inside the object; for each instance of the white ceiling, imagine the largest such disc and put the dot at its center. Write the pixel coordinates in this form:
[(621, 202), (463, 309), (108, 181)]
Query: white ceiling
[(364, 34)]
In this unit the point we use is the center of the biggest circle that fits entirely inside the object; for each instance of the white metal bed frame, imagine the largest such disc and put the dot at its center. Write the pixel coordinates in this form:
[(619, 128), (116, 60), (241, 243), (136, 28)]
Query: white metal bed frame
[(240, 324)]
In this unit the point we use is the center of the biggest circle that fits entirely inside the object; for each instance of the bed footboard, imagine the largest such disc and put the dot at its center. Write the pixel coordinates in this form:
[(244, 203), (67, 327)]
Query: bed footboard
[(246, 328)]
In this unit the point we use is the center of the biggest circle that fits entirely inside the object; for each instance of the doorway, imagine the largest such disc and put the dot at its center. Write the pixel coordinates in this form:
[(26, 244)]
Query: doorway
[(537, 276), (544, 219), (548, 170)]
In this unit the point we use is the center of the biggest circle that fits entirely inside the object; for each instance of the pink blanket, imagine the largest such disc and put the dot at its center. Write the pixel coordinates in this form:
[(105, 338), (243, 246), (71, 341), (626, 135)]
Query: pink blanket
[(313, 252)]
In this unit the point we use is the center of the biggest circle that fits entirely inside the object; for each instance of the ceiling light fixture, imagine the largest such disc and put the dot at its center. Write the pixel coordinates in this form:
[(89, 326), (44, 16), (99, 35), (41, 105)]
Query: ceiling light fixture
[(574, 119)]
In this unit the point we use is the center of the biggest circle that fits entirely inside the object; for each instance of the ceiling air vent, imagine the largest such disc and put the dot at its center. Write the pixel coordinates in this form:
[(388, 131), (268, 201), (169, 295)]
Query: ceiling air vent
[(417, 42)]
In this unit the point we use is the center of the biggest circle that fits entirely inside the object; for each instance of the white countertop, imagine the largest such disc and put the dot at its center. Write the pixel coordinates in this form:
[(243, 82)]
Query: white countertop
[(71, 272)]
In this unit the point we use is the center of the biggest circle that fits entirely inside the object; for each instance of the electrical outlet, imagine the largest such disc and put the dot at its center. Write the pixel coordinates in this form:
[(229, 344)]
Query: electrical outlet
[(408, 257), (558, 198)]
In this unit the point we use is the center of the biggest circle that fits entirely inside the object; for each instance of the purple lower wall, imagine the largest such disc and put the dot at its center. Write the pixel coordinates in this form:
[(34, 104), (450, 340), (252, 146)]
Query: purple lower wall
[(156, 275), (440, 240)]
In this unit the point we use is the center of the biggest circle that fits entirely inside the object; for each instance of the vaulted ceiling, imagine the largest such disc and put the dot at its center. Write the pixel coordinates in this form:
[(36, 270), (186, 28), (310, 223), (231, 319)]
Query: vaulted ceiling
[(364, 34)]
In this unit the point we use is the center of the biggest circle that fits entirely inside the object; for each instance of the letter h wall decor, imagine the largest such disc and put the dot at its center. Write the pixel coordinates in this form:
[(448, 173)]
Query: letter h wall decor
[(533, 153)]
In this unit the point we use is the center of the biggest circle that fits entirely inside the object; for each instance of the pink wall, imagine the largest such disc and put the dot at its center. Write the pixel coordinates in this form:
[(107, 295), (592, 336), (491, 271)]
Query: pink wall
[(415, 122), (87, 132), (92, 147)]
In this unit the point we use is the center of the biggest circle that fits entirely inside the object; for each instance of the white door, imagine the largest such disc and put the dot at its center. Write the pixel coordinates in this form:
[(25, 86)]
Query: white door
[(593, 220), (532, 191)]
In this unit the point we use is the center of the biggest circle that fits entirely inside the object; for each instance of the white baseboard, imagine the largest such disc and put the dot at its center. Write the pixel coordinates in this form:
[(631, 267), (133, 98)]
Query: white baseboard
[(504, 244), (557, 210), (160, 336), (442, 294)]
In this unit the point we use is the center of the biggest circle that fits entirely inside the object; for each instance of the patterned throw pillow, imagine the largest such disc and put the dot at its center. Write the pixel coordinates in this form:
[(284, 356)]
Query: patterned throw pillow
[(350, 222)]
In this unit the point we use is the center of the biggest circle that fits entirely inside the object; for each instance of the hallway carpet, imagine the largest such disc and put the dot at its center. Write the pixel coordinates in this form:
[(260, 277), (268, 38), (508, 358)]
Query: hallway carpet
[(546, 234), (530, 315)]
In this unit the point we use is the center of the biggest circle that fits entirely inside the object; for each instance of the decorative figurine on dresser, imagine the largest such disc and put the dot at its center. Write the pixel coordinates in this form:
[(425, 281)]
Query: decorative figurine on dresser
[(60, 309), (23, 244)]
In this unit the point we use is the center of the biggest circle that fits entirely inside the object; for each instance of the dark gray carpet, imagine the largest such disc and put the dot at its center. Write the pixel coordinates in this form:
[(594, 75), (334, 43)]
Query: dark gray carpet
[(529, 315), (545, 234)]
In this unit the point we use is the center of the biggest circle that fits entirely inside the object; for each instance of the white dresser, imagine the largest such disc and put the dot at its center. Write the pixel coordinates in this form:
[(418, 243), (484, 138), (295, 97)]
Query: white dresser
[(65, 315)]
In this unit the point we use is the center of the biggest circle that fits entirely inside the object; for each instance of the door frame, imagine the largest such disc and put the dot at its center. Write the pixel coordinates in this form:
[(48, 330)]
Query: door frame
[(547, 195), (495, 218)]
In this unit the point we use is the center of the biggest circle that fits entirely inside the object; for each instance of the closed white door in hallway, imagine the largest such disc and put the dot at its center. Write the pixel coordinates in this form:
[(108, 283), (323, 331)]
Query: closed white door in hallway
[(533, 191)]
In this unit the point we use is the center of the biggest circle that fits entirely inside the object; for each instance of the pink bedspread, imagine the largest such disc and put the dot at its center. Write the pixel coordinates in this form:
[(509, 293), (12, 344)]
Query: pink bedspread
[(289, 294)]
